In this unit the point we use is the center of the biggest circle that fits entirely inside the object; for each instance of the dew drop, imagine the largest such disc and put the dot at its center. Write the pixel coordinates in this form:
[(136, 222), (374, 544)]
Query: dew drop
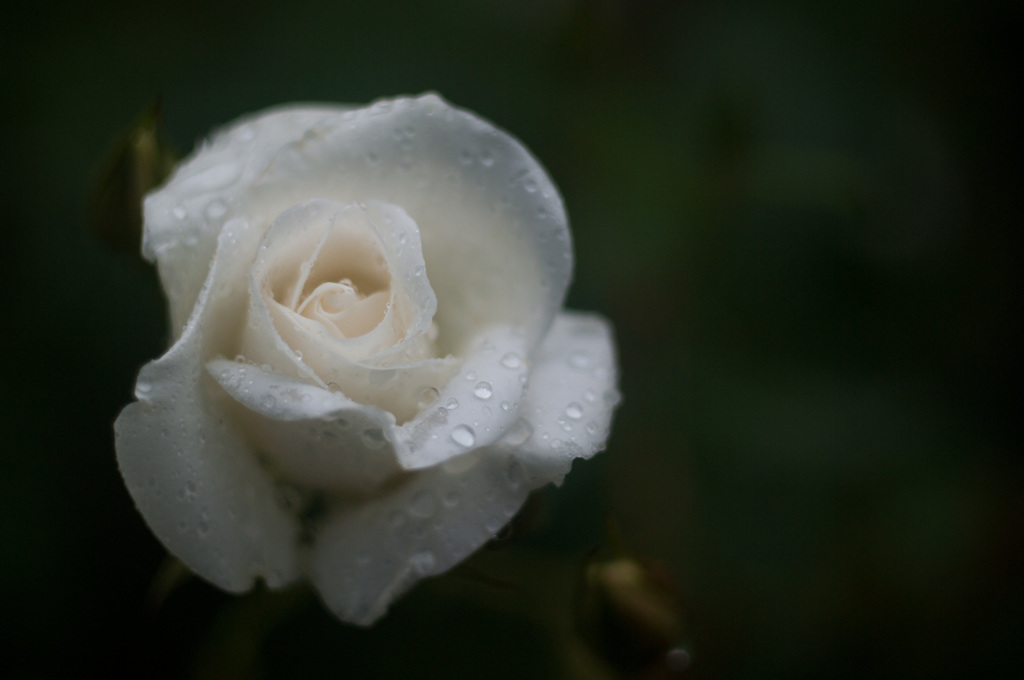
[(511, 360), (463, 435), (519, 432), (505, 406), (143, 387), (373, 438), (216, 209), (591, 427), (423, 504), (451, 404), (471, 375), (486, 159), (428, 395), (422, 562), (179, 212), (267, 403), (514, 473), (579, 359), (530, 186), (574, 411), (483, 390), (588, 395)]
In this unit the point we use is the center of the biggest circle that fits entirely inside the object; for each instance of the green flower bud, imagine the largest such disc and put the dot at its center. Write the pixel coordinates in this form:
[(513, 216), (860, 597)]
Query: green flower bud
[(138, 162)]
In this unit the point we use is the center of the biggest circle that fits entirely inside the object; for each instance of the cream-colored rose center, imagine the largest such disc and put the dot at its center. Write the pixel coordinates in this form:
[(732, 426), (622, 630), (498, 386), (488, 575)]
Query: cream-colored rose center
[(344, 289), (344, 309)]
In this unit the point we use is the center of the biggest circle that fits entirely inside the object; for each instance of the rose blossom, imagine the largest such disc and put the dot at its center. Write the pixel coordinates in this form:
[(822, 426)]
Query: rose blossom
[(370, 366)]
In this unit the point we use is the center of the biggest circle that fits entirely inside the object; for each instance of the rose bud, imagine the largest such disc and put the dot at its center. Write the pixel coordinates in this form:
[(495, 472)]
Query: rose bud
[(138, 163), (629, 616)]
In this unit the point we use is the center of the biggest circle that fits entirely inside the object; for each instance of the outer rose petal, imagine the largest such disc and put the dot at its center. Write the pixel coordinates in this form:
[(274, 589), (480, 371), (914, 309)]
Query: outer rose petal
[(184, 218), (191, 473), (568, 407), (330, 442), (367, 554)]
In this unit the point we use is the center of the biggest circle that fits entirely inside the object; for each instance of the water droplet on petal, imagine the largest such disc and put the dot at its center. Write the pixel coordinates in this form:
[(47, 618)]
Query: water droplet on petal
[(373, 438), (179, 212), (483, 390), (514, 473), (579, 359), (216, 209), (427, 397), (591, 427), (518, 433), (422, 562), (574, 411), (422, 505), (451, 404), (511, 360), (463, 435)]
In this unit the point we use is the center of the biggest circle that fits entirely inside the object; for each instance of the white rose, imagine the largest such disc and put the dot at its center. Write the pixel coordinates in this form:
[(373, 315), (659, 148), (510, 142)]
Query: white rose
[(370, 367)]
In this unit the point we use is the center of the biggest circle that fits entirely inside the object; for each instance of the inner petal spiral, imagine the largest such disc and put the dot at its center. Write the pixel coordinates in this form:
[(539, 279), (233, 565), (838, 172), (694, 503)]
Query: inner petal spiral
[(339, 296), (343, 309)]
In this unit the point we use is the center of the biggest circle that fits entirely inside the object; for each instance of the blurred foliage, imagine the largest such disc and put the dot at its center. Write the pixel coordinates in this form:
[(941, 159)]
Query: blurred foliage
[(803, 218), (137, 164)]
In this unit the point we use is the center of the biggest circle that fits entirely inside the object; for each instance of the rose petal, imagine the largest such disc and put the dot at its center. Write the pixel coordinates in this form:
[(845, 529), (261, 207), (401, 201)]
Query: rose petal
[(318, 438), (568, 407), (313, 437), (474, 408), (192, 475), (365, 555), (495, 240), (184, 218)]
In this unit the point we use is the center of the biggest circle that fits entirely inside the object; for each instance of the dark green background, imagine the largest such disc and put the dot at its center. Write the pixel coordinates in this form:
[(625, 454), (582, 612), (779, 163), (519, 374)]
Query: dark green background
[(804, 220)]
